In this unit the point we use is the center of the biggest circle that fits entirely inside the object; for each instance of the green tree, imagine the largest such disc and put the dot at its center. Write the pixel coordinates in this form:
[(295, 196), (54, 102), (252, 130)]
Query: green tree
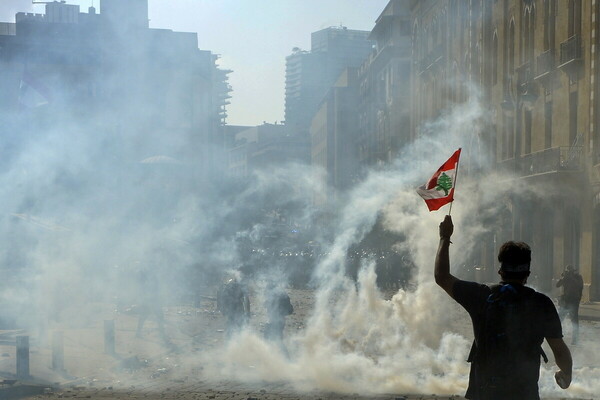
[(444, 183)]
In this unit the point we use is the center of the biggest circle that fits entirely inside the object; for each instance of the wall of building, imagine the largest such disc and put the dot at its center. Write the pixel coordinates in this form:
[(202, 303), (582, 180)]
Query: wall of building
[(104, 77), (533, 63), (385, 100)]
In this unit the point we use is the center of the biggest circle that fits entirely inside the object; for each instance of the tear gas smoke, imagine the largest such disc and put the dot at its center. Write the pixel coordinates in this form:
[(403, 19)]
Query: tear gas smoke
[(80, 227), (355, 339)]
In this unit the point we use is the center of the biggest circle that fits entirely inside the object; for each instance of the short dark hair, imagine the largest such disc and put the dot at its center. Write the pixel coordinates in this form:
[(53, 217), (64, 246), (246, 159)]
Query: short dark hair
[(514, 253)]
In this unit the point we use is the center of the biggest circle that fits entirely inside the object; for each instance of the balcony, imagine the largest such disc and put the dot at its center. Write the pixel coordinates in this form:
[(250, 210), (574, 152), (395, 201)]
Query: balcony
[(545, 65), (570, 53), (553, 160), (385, 55)]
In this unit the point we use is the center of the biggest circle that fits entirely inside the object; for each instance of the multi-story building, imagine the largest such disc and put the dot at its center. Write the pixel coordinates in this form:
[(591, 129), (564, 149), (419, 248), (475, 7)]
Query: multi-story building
[(310, 74), (150, 91), (385, 87), (535, 64), (304, 88), (542, 96), (334, 137)]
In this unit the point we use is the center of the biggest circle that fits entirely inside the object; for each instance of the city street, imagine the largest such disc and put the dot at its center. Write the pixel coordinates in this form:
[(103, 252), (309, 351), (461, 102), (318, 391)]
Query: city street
[(242, 200), (147, 368)]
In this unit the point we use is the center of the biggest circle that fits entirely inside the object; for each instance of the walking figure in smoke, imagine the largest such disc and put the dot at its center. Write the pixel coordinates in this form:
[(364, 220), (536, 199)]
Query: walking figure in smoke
[(150, 304), (233, 302), (572, 285), (278, 306), (510, 322)]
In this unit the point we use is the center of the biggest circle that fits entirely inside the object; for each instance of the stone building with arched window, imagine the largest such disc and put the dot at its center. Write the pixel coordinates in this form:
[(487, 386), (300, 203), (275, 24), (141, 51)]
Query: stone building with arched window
[(536, 65)]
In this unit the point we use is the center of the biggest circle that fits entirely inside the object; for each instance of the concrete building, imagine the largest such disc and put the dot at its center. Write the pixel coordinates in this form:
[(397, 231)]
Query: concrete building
[(310, 74), (334, 137), (536, 63), (385, 88), (542, 96), (102, 69)]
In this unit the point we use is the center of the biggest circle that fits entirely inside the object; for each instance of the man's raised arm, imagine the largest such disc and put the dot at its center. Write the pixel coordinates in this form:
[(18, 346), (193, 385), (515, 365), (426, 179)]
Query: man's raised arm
[(442, 274)]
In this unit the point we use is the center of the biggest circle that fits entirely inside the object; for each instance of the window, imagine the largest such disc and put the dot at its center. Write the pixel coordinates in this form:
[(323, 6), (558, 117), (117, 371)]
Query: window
[(509, 59), (550, 24), (511, 47), (507, 138), (495, 59), (574, 17), (573, 101), (530, 35), (548, 125), (528, 122)]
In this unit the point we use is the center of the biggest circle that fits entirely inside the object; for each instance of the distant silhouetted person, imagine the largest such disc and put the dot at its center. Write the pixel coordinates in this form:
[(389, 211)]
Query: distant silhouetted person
[(233, 302), (150, 304), (572, 285), (277, 306), (510, 322)]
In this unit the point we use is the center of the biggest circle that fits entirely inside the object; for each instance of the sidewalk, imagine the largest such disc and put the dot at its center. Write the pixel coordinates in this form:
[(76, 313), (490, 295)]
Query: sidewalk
[(589, 311)]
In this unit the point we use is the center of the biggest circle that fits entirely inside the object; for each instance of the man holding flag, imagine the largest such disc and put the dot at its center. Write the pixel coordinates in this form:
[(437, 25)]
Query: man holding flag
[(510, 320)]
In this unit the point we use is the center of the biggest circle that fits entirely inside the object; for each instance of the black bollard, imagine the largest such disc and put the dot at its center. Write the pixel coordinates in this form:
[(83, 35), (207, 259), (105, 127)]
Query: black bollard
[(109, 337), (58, 351), (22, 357)]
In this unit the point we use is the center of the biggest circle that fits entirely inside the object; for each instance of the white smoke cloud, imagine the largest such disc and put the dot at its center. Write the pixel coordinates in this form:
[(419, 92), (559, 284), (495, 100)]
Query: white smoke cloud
[(356, 340), (83, 216)]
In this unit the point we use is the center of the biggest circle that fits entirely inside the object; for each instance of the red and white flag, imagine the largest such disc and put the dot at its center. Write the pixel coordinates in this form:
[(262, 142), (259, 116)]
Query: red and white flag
[(439, 190)]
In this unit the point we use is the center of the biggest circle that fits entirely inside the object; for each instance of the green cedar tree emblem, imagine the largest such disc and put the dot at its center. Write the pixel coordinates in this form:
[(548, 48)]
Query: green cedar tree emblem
[(444, 183)]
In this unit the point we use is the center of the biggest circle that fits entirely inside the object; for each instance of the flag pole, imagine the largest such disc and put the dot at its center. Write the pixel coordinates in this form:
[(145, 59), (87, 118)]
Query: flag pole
[(455, 180)]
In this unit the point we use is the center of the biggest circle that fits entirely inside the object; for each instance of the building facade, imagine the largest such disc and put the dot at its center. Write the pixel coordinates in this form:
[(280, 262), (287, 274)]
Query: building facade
[(385, 88), (100, 70), (535, 64), (334, 137), (310, 74)]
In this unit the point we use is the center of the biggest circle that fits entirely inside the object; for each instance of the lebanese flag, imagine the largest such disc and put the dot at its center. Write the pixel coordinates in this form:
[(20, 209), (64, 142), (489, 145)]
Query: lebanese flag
[(439, 190), (32, 92)]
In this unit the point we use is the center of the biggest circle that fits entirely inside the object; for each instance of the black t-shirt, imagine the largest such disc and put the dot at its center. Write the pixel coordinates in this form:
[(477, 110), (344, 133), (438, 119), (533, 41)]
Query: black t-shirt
[(572, 287), (543, 322)]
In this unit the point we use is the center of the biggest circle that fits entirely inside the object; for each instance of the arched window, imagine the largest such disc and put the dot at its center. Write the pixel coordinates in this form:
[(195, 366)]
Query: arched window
[(530, 35), (509, 59), (525, 35), (550, 24), (415, 43), (443, 27), (574, 17), (511, 47), (495, 58)]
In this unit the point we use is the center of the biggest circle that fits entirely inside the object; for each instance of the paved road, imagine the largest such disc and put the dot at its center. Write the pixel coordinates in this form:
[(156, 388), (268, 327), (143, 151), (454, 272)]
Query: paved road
[(148, 368)]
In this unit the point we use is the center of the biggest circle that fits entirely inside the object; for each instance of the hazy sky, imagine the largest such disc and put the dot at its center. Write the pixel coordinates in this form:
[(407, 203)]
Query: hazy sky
[(252, 37)]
